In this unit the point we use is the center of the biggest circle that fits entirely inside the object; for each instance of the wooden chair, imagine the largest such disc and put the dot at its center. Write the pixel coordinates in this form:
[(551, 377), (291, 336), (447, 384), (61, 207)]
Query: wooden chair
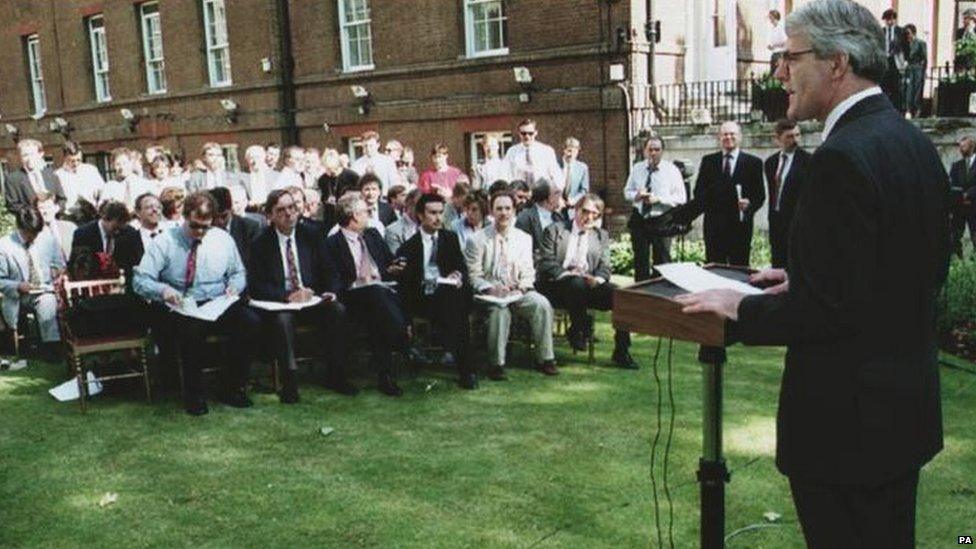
[(69, 294)]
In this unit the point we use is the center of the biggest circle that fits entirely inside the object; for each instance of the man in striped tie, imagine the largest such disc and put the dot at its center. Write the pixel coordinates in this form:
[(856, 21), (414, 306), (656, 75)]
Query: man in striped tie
[(784, 177)]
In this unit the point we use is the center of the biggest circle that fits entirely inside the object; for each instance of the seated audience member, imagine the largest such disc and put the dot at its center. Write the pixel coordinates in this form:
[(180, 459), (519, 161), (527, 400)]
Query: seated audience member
[(290, 264), (380, 212), (396, 197), (474, 217), (335, 180), (161, 173), (408, 173), (127, 184), (29, 261), (454, 206), (363, 261), (62, 231), (148, 218), (313, 205), (272, 155), (313, 168), (298, 195), (259, 179), (172, 199), (433, 253), (79, 181), (441, 177), (115, 245), (242, 229), (405, 227), (547, 201), (522, 194), (33, 176), (214, 174), (499, 262), (193, 263), (498, 186), (574, 273), (292, 169)]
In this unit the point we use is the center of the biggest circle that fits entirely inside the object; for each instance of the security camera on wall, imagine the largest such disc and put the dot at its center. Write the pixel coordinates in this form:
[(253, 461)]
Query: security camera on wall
[(228, 104), (326, 128)]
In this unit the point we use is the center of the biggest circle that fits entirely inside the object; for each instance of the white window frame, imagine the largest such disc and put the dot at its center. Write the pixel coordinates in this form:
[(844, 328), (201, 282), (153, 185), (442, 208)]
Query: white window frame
[(36, 74), (477, 154), (344, 29), (154, 64), (231, 161), (99, 55), (469, 29), (218, 44), (355, 147)]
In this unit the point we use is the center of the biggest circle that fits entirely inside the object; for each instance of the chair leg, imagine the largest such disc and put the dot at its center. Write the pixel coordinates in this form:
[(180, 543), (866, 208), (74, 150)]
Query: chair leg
[(145, 372)]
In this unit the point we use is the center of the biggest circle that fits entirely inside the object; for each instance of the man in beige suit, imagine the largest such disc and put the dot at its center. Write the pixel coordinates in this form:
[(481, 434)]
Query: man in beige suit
[(502, 275), (574, 273)]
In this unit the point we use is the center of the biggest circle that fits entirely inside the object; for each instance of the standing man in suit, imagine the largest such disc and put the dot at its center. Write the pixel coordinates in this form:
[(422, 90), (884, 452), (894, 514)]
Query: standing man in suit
[(962, 181), (243, 230), (290, 264), (62, 231), (785, 171), (546, 203), (574, 273), (364, 263), (110, 236), (259, 179), (575, 173), (653, 187), (500, 264), (33, 177), (215, 173), (896, 47), (433, 257), (729, 189), (859, 409), (194, 262), (29, 261), (408, 224)]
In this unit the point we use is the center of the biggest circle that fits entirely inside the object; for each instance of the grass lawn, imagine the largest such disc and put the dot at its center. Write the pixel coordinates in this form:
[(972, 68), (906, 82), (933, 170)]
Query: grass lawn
[(529, 462)]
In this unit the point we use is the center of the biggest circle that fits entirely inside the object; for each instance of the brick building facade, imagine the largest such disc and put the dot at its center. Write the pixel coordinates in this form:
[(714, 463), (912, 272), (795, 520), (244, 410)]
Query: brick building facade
[(435, 70)]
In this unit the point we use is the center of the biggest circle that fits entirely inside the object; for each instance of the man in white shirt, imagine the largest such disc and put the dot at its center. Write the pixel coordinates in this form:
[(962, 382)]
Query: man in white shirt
[(127, 185), (215, 173), (79, 180), (148, 215), (785, 170), (493, 168), (533, 161), (402, 229), (259, 179), (654, 187), (372, 161), (292, 170), (272, 155)]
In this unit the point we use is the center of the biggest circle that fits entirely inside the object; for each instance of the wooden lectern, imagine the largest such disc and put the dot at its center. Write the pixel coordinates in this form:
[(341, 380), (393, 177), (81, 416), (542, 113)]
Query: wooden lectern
[(649, 308)]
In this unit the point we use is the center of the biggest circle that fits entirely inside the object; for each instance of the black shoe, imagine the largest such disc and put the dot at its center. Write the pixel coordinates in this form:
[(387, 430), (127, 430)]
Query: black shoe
[(389, 387), (342, 387), (288, 394), (468, 381), (197, 408), (548, 368), (496, 373), (236, 399), (577, 340), (622, 359)]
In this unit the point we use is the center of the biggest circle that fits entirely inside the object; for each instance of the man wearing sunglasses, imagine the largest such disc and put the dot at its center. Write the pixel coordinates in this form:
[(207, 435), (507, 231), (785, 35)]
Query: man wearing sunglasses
[(194, 263), (533, 161), (859, 409)]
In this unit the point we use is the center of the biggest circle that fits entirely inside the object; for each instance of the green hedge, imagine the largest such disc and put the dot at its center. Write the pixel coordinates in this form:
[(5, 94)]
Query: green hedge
[(957, 304), (682, 250)]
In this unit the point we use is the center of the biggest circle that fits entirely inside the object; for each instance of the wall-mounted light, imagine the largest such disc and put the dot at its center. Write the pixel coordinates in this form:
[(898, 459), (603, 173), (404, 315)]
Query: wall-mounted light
[(266, 64), (231, 109), (326, 127), (364, 99), (12, 131), (60, 125), (523, 77), (131, 119)]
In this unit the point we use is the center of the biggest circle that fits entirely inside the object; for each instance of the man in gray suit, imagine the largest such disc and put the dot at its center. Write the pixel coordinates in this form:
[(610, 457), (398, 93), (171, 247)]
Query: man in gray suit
[(546, 203), (574, 273), (576, 173), (33, 177), (402, 229), (215, 174), (502, 274)]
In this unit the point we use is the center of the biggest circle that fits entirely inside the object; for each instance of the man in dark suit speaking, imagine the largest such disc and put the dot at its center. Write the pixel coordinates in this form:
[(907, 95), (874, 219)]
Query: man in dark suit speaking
[(729, 190), (784, 176), (859, 411)]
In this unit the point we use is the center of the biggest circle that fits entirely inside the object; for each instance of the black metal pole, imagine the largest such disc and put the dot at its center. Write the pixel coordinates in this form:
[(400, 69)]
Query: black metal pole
[(286, 72), (712, 472)]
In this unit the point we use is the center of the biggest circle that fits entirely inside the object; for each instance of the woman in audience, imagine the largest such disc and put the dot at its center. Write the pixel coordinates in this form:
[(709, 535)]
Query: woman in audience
[(172, 199)]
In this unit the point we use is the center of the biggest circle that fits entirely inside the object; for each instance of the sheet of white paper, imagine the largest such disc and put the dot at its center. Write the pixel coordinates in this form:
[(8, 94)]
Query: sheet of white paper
[(388, 284), (498, 300), (69, 389), (209, 312), (277, 306), (449, 281), (693, 278)]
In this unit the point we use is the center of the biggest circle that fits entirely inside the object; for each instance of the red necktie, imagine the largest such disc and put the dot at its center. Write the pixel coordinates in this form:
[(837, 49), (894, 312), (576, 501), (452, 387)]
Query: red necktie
[(191, 266)]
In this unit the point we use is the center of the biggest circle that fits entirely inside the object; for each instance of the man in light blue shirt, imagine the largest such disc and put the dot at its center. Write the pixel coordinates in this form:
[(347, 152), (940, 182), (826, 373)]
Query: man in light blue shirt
[(193, 263), (576, 173)]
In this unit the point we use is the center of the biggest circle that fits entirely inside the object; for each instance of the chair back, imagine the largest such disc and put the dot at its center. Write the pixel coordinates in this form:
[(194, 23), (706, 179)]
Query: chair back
[(70, 293)]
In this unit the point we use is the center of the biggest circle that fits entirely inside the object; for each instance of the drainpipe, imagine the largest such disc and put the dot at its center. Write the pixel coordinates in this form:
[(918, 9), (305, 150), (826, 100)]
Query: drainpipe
[(286, 75), (630, 124)]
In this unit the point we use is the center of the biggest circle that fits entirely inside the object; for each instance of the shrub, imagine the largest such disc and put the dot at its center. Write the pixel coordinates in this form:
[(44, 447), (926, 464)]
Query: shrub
[(957, 304), (682, 250)]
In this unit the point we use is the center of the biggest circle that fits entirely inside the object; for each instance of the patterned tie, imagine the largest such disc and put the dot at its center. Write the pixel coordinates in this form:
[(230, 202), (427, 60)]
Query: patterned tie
[(727, 168), (363, 270), (774, 191), (293, 284), (503, 269), (33, 275), (191, 266), (529, 170), (648, 186)]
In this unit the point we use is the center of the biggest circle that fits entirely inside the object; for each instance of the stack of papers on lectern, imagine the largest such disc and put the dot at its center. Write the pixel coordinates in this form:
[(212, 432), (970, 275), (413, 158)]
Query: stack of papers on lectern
[(693, 278)]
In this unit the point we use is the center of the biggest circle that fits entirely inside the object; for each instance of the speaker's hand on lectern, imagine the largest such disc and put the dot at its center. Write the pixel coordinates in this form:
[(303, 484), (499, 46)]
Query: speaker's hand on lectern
[(725, 303), (773, 281)]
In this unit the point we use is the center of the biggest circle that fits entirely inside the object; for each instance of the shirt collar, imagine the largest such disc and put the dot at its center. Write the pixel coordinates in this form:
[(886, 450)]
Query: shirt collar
[(734, 152), (351, 236), (283, 236), (844, 106)]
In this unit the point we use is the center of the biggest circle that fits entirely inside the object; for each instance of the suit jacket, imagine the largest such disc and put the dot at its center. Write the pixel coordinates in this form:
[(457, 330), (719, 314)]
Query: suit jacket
[(14, 269), (715, 194), (338, 249), (790, 188), (528, 221), (899, 44), (198, 181), (128, 246), (960, 181), (266, 274), (860, 401), (387, 215), (552, 251), (449, 259), (244, 231), (18, 191), (579, 178), (397, 233), (479, 253)]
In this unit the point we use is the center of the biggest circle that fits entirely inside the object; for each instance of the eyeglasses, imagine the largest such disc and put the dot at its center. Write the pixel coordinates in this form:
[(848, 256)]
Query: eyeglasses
[(199, 226), (789, 57), (527, 133)]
